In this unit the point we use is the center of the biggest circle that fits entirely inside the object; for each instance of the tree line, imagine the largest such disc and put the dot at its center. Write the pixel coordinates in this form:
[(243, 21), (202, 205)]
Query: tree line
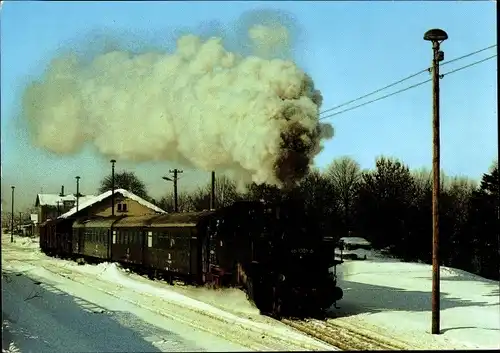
[(391, 206)]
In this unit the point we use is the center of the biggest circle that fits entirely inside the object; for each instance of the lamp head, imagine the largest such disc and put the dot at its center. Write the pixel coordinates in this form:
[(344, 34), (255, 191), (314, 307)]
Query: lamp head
[(435, 35)]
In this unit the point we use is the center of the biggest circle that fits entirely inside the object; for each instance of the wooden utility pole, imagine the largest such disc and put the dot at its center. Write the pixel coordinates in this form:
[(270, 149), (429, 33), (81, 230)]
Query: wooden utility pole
[(436, 36), (212, 192), (77, 192), (113, 161), (12, 217), (175, 172)]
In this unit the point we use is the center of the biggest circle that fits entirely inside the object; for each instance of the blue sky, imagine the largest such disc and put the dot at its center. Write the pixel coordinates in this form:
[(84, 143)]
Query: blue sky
[(349, 49)]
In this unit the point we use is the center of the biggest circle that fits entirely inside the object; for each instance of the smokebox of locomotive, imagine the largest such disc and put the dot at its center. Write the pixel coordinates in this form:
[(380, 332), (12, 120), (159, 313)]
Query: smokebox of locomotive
[(304, 260)]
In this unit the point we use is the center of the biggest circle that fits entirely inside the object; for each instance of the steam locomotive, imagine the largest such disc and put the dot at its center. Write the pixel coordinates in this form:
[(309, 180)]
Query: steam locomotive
[(271, 251)]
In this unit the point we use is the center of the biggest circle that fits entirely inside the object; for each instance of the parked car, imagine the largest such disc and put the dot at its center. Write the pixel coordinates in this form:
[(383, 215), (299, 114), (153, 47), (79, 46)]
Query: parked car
[(353, 248)]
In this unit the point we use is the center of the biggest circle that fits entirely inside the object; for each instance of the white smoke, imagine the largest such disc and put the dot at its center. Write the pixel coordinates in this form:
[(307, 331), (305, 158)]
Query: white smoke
[(201, 106), (269, 39)]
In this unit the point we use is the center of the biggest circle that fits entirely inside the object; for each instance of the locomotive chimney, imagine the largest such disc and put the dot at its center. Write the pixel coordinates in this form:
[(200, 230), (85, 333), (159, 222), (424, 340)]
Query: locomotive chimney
[(212, 194), (62, 190)]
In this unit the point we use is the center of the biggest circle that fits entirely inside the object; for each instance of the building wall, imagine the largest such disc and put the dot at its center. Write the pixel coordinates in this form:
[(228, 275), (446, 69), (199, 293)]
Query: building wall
[(103, 208), (134, 208), (46, 211)]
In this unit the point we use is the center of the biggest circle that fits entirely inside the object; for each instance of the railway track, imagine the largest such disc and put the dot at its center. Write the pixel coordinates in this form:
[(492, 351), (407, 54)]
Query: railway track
[(345, 336)]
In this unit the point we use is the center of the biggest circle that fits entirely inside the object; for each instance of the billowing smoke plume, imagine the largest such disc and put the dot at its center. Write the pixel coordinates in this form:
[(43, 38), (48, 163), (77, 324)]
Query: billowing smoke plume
[(201, 106)]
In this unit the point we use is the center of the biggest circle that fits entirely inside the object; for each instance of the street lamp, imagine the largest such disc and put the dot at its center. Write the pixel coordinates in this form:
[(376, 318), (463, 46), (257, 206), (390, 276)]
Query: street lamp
[(12, 219), (77, 191), (175, 193), (113, 161), (436, 36)]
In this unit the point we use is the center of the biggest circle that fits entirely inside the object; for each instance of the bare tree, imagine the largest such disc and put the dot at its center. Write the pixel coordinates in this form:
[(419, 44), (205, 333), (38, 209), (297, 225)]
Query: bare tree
[(183, 202), (225, 194), (345, 174), (225, 191), (199, 199)]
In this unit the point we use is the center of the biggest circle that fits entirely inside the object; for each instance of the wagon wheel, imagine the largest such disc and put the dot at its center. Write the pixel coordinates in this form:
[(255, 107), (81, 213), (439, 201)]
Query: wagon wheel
[(277, 306), (250, 290), (254, 293), (265, 299)]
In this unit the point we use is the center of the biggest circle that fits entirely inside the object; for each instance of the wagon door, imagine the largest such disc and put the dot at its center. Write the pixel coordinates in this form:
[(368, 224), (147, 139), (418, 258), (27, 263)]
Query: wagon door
[(195, 260), (120, 245), (147, 248), (135, 249), (204, 255), (81, 240), (114, 238), (76, 241)]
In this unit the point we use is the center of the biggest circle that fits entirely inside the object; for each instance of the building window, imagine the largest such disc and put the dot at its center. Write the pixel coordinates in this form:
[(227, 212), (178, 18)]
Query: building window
[(122, 207)]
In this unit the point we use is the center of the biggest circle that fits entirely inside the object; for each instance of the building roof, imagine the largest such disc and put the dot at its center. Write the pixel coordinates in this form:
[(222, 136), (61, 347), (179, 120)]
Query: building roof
[(107, 194), (52, 199)]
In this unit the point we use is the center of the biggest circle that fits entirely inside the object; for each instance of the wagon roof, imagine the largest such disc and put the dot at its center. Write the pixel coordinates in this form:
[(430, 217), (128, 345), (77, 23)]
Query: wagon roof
[(46, 222), (188, 218), (135, 221), (98, 222), (164, 220), (52, 221)]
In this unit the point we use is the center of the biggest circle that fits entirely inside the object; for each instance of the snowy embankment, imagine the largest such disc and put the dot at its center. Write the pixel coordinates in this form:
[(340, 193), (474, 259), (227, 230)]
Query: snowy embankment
[(396, 297), (237, 327)]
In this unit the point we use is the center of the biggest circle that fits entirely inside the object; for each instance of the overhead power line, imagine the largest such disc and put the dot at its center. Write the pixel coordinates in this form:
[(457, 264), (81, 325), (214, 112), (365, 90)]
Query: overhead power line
[(405, 79), (407, 88), (471, 64), (372, 93), (467, 55)]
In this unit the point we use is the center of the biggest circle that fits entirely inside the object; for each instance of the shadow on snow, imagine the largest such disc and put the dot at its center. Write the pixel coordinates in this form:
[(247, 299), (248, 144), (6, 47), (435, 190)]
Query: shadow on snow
[(87, 326), (360, 298)]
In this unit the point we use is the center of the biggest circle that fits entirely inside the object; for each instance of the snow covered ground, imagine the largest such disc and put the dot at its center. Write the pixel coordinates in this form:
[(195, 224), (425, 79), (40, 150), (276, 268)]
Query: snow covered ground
[(53, 305), (396, 297), (42, 316), (383, 298)]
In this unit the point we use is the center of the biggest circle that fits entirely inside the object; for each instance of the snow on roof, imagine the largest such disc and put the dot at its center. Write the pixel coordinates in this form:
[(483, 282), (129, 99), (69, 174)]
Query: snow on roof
[(355, 240), (107, 194), (52, 199)]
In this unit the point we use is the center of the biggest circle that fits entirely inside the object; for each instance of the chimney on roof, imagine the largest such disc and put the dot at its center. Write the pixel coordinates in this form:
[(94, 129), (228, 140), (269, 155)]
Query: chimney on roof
[(62, 191)]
